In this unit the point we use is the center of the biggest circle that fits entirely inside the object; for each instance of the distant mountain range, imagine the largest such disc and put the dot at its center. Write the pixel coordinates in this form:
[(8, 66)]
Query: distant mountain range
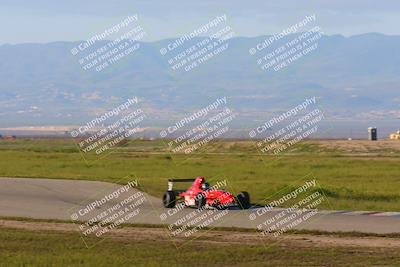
[(354, 77)]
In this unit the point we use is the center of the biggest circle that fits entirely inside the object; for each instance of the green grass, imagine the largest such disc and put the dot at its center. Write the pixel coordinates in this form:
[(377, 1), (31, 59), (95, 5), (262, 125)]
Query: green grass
[(48, 248), (351, 182)]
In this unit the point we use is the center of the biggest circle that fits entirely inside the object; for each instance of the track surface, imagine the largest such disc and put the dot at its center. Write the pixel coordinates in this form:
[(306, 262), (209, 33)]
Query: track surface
[(59, 199)]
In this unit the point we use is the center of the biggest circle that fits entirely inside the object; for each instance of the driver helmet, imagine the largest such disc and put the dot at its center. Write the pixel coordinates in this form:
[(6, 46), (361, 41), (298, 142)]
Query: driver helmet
[(205, 186)]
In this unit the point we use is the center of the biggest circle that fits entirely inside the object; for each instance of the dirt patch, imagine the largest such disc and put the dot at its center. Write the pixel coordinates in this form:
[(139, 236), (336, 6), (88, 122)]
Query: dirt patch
[(38, 226), (360, 146), (330, 241), (220, 237)]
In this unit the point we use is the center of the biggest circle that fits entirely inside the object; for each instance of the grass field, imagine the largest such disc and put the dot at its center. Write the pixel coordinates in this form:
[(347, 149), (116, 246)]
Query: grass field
[(355, 175), (56, 244)]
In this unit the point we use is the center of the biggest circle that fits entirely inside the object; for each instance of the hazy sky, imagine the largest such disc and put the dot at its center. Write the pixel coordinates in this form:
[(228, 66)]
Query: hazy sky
[(57, 20)]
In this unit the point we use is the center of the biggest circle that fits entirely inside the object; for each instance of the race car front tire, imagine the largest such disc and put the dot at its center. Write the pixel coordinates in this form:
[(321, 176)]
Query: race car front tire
[(169, 199), (243, 200), (200, 201)]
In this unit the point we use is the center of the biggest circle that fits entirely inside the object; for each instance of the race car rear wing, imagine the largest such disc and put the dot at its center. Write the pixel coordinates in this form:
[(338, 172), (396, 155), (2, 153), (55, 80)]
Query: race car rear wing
[(172, 181)]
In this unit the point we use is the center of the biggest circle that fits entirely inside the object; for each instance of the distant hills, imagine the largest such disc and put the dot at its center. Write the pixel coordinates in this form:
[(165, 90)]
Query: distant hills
[(354, 77)]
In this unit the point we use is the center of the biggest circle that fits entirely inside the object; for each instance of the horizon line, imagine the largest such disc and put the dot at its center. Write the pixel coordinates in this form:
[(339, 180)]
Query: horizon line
[(199, 37)]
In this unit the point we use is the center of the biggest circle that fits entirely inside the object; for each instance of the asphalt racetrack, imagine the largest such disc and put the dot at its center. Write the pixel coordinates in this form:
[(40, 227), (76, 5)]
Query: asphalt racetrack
[(64, 199)]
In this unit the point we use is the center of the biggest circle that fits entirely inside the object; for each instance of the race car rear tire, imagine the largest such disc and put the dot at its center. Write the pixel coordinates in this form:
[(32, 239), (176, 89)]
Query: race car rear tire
[(243, 200), (169, 199), (200, 201)]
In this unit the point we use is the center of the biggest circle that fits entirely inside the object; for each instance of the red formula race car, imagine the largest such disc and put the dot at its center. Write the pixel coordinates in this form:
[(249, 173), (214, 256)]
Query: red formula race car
[(201, 195)]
